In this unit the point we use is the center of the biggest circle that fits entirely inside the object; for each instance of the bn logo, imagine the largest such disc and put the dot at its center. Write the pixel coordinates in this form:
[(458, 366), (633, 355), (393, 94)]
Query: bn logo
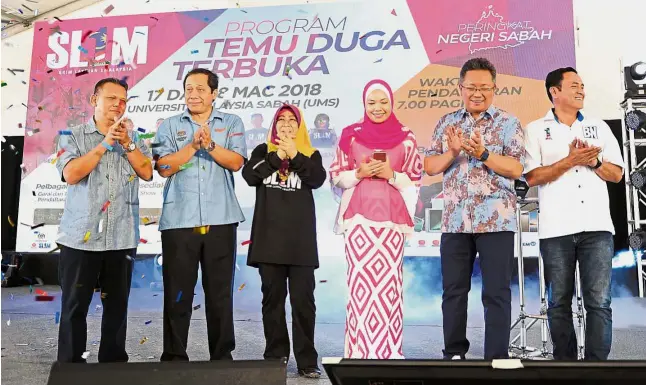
[(590, 132), (99, 46)]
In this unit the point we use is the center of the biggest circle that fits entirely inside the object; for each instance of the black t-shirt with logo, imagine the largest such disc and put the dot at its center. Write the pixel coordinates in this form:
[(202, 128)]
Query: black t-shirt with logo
[(284, 220)]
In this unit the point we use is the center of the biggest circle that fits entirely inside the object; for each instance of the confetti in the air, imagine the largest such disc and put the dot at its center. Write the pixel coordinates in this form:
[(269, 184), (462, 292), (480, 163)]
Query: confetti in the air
[(393, 12), (131, 178), (378, 61), (147, 135), (160, 91), (85, 355), (104, 295), (143, 340), (142, 240), (179, 296), (64, 132), (196, 307), (164, 167), (101, 226), (57, 317), (242, 286), (11, 223), (86, 237), (141, 129), (323, 280), (247, 242), (186, 165), (82, 49), (194, 51), (148, 322), (105, 206), (85, 36), (81, 73), (108, 9), (3, 84)]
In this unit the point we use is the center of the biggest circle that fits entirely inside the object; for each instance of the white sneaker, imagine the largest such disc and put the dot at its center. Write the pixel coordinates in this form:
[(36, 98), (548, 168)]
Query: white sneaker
[(456, 358)]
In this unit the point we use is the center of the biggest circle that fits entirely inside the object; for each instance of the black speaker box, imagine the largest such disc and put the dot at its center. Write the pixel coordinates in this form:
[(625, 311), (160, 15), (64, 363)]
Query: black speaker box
[(269, 372), (427, 372)]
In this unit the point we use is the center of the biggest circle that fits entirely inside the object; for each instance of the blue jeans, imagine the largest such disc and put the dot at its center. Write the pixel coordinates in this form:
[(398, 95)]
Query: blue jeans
[(593, 251)]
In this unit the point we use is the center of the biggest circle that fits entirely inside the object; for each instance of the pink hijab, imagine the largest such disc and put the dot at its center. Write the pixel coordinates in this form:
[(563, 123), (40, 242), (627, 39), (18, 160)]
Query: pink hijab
[(381, 136)]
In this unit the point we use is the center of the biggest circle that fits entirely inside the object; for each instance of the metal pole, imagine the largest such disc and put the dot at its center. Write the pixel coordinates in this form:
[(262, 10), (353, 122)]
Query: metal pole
[(580, 314), (521, 278), (543, 312)]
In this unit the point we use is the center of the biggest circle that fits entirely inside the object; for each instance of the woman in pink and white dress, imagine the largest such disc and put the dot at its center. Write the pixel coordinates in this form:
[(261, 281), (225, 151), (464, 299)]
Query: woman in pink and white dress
[(377, 168)]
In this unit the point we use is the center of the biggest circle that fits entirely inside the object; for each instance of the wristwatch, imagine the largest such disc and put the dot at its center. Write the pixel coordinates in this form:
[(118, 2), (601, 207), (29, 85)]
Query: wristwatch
[(391, 181), (130, 147), (211, 146), (484, 156), (596, 166)]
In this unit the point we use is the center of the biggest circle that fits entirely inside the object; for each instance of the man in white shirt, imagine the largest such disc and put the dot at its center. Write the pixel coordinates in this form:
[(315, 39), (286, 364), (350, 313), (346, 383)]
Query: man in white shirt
[(571, 157)]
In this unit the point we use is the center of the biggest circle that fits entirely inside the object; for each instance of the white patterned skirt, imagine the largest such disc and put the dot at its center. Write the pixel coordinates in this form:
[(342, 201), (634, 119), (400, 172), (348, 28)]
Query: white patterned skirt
[(374, 314)]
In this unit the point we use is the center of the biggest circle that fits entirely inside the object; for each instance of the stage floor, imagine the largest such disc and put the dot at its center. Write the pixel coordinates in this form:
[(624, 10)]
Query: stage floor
[(29, 333)]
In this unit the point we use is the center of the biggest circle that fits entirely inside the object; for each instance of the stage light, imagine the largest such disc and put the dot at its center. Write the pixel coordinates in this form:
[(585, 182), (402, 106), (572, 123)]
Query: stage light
[(521, 187), (638, 71), (633, 74), (636, 120), (637, 240), (638, 178)]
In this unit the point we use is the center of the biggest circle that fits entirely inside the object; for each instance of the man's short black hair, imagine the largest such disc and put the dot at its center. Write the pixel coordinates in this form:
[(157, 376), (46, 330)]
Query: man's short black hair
[(212, 81), (100, 83), (555, 79), (478, 63)]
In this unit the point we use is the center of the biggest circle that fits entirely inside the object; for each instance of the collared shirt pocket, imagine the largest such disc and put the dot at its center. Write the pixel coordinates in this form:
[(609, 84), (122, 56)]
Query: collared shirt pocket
[(220, 134)]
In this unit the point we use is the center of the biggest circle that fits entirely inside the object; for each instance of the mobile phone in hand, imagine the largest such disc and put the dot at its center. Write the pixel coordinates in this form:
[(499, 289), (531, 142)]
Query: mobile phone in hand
[(379, 155)]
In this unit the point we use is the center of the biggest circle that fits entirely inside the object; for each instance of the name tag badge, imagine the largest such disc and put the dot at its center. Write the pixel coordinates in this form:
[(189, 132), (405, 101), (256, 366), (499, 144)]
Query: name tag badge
[(181, 135), (590, 132)]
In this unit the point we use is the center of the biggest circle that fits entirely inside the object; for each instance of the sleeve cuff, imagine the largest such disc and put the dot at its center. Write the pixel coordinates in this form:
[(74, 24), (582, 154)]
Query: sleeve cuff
[(346, 179), (402, 181), (298, 161), (274, 160)]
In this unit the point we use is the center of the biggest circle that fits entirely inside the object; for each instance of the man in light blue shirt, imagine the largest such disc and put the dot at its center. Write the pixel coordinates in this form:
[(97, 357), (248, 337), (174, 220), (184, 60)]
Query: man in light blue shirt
[(198, 151), (99, 230)]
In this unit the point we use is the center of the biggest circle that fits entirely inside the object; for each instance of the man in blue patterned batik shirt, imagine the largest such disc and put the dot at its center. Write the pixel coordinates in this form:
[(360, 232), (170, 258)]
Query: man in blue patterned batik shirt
[(198, 151), (480, 150), (99, 230)]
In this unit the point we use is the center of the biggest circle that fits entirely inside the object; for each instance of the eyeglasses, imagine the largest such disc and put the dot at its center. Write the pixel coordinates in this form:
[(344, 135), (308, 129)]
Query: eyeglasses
[(473, 90)]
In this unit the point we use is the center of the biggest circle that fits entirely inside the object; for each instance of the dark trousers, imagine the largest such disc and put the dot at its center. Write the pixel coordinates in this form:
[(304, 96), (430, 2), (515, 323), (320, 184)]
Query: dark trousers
[(78, 272), (184, 252), (594, 252), (275, 279), (458, 253)]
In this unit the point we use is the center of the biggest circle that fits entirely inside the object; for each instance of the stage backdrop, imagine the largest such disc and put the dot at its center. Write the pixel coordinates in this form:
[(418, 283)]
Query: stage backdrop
[(317, 56)]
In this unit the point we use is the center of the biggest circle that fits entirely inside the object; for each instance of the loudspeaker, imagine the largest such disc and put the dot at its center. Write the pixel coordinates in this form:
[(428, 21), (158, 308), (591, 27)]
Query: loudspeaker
[(269, 372), (421, 372)]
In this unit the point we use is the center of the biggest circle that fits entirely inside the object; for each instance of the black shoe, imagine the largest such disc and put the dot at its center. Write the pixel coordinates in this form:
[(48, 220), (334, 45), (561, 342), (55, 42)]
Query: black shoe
[(310, 372)]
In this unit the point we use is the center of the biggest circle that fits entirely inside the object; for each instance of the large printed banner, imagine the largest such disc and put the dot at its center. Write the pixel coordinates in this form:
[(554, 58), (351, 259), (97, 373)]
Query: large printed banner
[(317, 56)]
